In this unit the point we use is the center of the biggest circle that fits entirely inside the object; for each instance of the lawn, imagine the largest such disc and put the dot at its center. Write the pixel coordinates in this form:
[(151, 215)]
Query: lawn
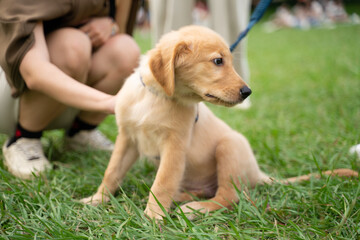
[(305, 116)]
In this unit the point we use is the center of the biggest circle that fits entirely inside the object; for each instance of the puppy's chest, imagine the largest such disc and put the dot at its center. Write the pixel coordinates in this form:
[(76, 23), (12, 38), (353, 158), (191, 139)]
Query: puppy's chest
[(147, 132), (148, 141), (150, 120)]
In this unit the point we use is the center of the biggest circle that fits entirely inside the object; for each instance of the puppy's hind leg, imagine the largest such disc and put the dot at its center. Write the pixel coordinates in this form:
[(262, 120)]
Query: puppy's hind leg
[(236, 165), (122, 158)]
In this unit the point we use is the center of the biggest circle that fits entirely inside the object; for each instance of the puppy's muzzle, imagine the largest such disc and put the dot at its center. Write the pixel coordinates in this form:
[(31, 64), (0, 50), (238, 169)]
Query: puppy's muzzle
[(245, 92)]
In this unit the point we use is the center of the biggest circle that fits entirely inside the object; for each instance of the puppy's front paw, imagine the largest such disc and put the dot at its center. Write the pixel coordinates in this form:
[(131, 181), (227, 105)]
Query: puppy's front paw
[(193, 206), (190, 209), (95, 199), (156, 214)]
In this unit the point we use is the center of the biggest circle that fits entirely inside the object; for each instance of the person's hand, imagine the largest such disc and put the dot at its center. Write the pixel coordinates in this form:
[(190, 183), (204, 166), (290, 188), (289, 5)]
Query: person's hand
[(99, 30)]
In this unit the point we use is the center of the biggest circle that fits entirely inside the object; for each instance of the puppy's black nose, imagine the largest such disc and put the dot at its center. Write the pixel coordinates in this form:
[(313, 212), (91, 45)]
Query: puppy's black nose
[(245, 92)]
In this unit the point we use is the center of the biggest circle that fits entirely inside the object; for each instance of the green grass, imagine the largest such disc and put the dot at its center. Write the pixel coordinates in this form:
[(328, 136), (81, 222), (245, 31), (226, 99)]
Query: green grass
[(305, 115)]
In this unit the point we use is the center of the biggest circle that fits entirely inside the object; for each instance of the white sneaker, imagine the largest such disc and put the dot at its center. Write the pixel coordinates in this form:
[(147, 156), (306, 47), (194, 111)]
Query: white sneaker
[(89, 140), (24, 157), (355, 150), (246, 104)]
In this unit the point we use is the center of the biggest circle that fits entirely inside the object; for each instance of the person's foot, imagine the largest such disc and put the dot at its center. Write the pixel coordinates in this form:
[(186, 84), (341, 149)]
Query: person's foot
[(355, 150), (88, 140), (25, 157)]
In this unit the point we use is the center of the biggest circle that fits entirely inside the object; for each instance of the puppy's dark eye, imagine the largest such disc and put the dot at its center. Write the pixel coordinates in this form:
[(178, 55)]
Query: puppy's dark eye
[(218, 61)]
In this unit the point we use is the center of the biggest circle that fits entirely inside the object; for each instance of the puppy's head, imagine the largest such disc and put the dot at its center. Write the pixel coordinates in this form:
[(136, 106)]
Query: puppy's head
[(195, 64)]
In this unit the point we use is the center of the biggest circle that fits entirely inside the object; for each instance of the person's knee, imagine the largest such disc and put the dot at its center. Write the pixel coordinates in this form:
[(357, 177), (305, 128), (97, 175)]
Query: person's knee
[(125, 54), (76, 55)]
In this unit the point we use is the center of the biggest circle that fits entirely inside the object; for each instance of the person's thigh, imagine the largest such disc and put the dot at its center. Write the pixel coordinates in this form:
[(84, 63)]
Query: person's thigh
[(70, 50), (112, 63)]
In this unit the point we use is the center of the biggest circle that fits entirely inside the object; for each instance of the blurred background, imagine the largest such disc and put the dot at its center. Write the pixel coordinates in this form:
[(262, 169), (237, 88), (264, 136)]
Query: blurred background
[(298, 14)]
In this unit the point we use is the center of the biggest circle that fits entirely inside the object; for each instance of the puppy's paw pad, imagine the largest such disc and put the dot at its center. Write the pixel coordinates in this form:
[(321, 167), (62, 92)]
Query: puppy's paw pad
[(192, 209), (153, 214), (94, 200), (193, 206)]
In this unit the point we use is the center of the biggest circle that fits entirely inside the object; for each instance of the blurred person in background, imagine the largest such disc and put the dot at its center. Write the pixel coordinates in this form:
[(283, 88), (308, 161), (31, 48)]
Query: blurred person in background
[(310, 13)]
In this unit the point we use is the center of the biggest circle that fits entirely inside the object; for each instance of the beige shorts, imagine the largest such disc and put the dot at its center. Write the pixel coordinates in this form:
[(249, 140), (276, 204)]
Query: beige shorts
[(9, 111)]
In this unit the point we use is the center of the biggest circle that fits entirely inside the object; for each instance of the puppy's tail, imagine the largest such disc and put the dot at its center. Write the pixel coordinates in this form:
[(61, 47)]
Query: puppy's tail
[(341, 172)]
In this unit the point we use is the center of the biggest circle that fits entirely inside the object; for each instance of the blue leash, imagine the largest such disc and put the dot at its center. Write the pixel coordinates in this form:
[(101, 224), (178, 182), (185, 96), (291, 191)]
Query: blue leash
[(255, 17)]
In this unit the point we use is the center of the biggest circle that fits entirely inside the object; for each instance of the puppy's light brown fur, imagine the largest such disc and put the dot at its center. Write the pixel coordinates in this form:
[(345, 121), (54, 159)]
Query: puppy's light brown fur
[(156, 112)]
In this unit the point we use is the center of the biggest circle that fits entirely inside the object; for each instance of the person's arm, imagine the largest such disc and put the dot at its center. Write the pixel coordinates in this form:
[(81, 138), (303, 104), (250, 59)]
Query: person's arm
[(122, 14), (43, 76)]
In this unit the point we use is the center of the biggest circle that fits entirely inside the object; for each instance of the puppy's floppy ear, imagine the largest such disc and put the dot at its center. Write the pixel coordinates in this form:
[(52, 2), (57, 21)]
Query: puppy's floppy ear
[(163, 62)]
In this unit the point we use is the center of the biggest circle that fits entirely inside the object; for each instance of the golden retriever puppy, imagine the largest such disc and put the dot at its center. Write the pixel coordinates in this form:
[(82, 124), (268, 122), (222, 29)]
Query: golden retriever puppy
[(160, 115)]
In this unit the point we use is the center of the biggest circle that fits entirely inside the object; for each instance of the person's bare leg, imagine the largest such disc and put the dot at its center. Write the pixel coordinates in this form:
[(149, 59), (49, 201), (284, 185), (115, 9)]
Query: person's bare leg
[(70, 51), (111, 64)]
